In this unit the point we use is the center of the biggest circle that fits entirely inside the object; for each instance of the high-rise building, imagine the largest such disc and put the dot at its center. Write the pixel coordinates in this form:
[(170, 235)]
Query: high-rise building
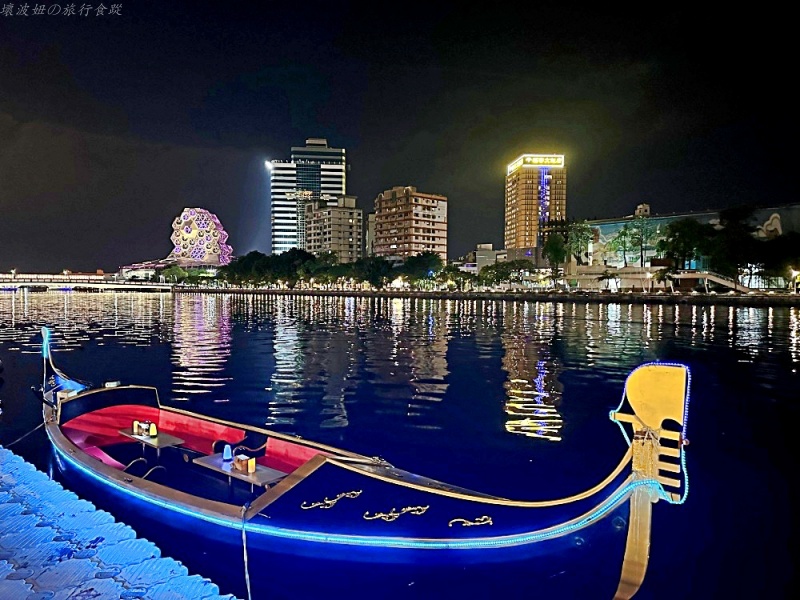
[(536, 193), (408, 222), (335, 228), (315, 172)]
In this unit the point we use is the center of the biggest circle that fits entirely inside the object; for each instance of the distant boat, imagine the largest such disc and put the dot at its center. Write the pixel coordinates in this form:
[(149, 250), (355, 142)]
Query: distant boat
[(285, 494)]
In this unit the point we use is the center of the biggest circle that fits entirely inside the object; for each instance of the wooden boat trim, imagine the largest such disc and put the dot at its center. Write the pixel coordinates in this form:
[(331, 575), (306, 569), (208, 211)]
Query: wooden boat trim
[(284, 485), (496, 500), (637, 545)]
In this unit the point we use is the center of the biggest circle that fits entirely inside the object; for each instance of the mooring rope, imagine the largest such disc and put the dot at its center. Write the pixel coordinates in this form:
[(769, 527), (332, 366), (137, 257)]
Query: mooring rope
[(26, 435), (244, 551)]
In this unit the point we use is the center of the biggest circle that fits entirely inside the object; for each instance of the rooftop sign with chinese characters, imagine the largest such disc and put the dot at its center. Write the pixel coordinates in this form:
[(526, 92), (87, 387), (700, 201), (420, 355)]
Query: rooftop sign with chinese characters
[(537, 160)]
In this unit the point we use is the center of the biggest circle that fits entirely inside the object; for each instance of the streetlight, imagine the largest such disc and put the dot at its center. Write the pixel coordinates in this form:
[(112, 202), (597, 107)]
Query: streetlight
[(13, 273), (793, 282)]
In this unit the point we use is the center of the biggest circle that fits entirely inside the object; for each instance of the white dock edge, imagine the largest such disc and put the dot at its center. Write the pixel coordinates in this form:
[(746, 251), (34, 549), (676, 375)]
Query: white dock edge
[(55, 545)]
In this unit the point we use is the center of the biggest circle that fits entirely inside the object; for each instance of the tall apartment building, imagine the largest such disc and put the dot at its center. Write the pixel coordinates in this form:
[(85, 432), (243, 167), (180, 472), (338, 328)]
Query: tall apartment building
[(408, 222), (315, 172), (536, 193), (335, 228)]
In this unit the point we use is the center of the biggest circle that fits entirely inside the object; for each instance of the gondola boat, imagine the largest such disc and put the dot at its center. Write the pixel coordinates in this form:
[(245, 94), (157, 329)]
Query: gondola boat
[(237, 482)]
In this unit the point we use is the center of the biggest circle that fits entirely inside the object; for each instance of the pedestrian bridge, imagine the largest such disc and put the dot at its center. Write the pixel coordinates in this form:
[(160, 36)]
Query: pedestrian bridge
[(711, 276), (83, 281)]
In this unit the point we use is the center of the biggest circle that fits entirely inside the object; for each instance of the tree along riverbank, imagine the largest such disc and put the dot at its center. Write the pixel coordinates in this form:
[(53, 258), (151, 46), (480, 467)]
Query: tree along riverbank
[(604, 297)]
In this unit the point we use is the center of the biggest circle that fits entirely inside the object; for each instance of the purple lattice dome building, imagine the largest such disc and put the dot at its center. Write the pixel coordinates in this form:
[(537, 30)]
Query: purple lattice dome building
[(199, 239)]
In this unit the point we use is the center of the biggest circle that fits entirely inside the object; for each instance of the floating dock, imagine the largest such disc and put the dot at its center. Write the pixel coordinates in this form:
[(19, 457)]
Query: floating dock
[(54, 545)]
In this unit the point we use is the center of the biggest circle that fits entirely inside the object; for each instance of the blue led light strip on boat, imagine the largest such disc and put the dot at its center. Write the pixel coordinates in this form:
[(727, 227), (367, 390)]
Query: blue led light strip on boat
[(499, 542)]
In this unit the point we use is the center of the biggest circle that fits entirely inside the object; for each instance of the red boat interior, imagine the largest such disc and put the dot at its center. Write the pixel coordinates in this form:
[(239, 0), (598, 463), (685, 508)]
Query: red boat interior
[(97, 431)]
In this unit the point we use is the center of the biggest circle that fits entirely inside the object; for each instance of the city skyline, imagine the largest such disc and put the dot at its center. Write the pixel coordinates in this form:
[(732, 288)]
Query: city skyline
[(160, 107)]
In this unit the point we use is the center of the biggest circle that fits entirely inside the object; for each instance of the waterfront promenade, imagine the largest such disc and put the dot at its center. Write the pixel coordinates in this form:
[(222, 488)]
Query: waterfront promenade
[(601, 297), (100, 283), (79, 282)]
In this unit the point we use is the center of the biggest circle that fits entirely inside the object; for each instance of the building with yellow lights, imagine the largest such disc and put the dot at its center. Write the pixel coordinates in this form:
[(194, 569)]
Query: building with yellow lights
[(535, 194)]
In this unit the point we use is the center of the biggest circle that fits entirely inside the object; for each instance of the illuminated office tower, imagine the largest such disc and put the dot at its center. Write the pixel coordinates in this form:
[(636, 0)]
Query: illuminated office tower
[(408, 222), (536, 193), (314, 173)]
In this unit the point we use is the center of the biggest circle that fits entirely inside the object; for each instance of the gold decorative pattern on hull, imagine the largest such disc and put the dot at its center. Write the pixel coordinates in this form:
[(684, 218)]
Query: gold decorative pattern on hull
[(327, 503), (393, 514), (484, 520)]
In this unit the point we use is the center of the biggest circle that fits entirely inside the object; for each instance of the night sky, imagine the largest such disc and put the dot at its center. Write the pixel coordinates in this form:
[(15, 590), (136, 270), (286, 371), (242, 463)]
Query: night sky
[(110, 125)]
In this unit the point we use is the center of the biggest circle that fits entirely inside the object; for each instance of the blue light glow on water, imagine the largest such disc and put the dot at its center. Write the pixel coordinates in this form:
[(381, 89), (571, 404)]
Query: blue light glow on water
[(509, 398)]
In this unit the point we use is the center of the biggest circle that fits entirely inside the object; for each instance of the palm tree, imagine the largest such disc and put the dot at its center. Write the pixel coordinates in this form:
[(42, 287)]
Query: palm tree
[(555, 251), (579, 235), (622, 242), (685, 240), (642, 232)]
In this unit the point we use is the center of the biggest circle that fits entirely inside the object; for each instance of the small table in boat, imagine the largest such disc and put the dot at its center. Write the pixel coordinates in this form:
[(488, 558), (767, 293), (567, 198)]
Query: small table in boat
[(262, 477), (158, 441)]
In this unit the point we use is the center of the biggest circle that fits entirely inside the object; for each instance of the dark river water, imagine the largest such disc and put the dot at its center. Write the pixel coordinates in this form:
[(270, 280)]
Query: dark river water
[(508, 398)]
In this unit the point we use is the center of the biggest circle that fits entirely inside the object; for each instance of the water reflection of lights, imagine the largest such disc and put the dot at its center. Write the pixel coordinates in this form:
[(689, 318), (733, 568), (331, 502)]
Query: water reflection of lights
[(537, 428), (289, 367), (131, 318), (532, 389), (708, 324), (614, 318), (201, 344), (747, 328), (770, 321), (321, 349)]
